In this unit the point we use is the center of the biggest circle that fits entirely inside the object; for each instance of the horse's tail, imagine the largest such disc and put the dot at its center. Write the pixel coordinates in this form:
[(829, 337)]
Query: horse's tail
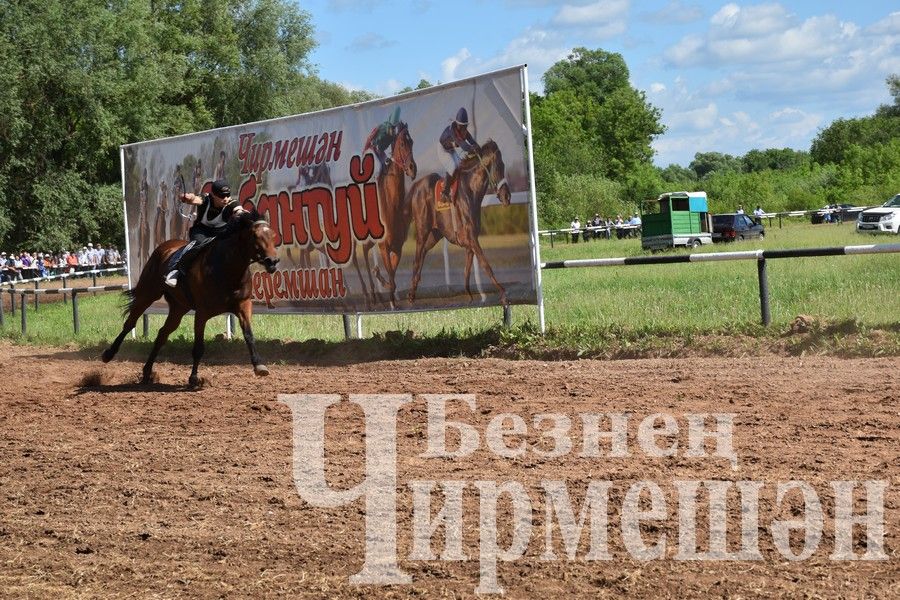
[(150, 282), (127, 301)]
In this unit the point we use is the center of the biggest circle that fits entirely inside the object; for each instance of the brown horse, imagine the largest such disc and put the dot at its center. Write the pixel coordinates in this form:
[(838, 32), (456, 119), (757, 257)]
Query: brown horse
[(461, 224), (394, 210), (217, 282)]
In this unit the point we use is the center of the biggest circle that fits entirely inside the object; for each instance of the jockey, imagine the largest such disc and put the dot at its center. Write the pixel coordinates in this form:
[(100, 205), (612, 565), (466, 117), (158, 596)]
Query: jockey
[(382, 137), (216, 208), (456, 142)]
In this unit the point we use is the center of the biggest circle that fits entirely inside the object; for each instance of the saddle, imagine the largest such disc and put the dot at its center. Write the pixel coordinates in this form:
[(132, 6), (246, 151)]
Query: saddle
[(439, 189), (180, 259)]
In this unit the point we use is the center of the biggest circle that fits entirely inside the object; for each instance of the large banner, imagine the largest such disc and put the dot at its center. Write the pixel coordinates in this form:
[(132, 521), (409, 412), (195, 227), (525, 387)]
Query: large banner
[(354, 197)]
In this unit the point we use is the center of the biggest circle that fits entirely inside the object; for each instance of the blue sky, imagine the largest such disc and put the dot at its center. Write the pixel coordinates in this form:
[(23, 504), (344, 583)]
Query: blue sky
[(728, 76)]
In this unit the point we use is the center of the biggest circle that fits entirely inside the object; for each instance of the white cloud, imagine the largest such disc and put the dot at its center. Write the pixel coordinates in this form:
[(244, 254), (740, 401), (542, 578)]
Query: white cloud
[(450, 64), (657, 88), (888, 25), (536, 47), (601, 12), (674, 12), (701, 118), (758, 20)]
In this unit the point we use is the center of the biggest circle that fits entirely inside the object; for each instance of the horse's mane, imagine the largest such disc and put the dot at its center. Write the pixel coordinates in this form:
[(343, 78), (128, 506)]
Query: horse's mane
[(243, 220), (488, 147)]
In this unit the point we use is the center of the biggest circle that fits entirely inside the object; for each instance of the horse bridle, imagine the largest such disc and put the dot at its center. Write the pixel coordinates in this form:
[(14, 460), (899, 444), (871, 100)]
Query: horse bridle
[(401, 161), (259, 257), (490, 175)]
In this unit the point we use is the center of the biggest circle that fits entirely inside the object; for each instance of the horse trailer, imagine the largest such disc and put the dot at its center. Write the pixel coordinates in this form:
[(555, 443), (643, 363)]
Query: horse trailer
[(681, 219)]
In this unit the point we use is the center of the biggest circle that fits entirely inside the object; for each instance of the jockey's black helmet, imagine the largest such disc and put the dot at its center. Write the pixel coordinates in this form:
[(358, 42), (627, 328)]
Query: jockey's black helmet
[(462, 117), (220, 188)]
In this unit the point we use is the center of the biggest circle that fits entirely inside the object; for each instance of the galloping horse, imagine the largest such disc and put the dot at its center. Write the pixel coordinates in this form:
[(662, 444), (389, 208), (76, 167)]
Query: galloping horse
[(395, 211), (218, 281), (461, 225)]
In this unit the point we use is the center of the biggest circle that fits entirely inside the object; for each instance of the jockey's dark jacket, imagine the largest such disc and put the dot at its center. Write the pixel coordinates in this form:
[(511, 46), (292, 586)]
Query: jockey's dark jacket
[(211, 221)]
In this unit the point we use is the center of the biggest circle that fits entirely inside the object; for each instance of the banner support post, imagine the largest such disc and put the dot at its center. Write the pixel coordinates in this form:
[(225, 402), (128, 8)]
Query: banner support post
[(535, 243)]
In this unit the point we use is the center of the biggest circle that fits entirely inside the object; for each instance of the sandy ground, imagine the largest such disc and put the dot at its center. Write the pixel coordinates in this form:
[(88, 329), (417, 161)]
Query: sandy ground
[(114, 489)]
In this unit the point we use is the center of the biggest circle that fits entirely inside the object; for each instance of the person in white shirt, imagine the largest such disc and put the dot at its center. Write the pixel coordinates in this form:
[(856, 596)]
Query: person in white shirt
[(575, 226)]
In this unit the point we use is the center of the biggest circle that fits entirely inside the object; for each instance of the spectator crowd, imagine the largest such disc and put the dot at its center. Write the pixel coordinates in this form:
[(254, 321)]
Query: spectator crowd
[(606, 227), (16, 266)]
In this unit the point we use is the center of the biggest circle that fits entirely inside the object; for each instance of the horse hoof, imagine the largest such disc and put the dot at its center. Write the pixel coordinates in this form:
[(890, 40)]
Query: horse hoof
[(150, 378), (107, 355), (261, 370), (197, 383)]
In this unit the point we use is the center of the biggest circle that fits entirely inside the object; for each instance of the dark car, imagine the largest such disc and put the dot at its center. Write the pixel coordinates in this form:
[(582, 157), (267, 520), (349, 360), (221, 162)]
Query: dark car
[(731, 227), (835, 213)]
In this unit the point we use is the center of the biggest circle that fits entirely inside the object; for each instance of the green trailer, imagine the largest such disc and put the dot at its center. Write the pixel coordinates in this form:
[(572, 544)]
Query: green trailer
[(681, 219)]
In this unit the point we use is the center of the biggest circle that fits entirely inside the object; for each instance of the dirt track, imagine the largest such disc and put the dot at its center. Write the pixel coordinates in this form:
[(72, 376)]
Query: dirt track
[(116, 489)]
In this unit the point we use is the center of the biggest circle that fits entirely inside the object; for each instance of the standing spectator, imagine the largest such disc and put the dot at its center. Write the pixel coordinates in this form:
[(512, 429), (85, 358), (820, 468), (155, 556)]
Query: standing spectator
[(740, 209), (575, 226), (758, 213)]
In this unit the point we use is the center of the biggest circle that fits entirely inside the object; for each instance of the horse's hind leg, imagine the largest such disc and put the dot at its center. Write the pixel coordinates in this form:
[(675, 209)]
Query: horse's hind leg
[(424, 243), (171, 324), (139, 304), (476, 247), (245, 311)]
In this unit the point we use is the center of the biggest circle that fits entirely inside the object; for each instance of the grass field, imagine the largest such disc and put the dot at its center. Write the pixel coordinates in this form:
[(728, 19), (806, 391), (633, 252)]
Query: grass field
[(589, 308)]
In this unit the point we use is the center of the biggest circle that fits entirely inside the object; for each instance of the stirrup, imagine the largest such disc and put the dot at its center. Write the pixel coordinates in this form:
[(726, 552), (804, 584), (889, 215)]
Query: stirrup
[(171, 279)]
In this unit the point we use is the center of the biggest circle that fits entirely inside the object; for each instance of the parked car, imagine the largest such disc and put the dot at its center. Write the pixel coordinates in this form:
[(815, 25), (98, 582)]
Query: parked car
[(732, 226), (834, 213), (882, 219)]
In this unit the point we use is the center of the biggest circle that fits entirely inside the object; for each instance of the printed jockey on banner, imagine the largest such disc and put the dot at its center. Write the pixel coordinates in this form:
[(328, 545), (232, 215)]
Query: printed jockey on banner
[(216, 208), (457, 143), (382, 137)]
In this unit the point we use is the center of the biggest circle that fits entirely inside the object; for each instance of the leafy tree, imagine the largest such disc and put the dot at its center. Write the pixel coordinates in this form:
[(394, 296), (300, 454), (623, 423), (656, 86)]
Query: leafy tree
[(423, 84), (80, 78), (891, 110), (616, 123), (594, 74), (681, 177), (705, 163), (773, 158)]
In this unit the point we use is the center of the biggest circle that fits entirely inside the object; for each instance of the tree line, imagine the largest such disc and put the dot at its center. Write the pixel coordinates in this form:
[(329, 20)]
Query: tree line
[(79, 78)]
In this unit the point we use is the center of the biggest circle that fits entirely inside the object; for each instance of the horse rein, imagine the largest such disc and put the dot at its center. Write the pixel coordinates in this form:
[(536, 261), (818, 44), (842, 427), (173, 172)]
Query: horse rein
[(403, 159), (490, 175)]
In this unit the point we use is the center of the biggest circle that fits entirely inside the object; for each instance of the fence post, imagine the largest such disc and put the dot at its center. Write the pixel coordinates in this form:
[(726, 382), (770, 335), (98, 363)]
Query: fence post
[(146, 325), (37, 286), (65, 296), (507, 316), (348, 330), (551, 239), (763, 292), (12, 299), (75, 311), (24, 319)]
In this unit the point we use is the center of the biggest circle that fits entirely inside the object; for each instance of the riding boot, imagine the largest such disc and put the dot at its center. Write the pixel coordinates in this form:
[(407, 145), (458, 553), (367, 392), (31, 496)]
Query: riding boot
[(177, 271), (444, 202)]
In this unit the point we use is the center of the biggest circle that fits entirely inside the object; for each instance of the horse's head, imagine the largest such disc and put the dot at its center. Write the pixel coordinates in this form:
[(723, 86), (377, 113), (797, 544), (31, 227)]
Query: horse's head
[(492, 160), (402, 153), (260, 238)]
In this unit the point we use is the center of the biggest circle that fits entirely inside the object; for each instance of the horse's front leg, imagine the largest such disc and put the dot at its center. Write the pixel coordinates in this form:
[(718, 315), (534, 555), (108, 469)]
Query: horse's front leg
[(199, 346), (470, 255), (244, 314)]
